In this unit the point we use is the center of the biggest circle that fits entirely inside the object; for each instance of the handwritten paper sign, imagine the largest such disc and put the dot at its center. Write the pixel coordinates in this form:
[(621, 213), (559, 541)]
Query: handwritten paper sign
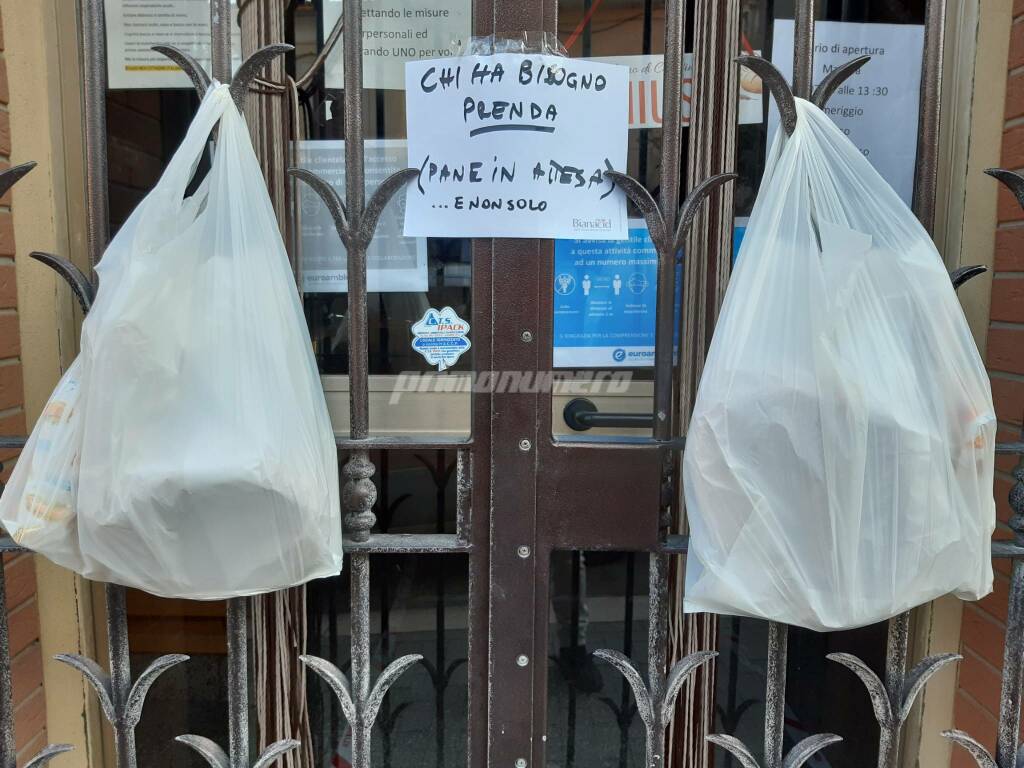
[(516, 145)]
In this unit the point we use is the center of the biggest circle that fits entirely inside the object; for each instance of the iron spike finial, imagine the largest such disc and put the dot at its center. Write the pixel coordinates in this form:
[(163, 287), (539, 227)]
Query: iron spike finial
[(216, 757), (797, 756), (13, 175), (356, 228), (252, 67), (46, 754), (330, 198), (777, 86), (122, 715), (656, 711), (782, 92), (361, 713), (693, 202), (239, 86), (892, 708), (836, 78), (648, 206), (80, 284), (961, 275), (1011, 180), (973, 747), (191, 67)]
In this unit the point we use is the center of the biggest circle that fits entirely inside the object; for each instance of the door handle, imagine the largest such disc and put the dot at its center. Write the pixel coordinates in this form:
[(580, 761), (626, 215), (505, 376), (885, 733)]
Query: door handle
[(581, 414)]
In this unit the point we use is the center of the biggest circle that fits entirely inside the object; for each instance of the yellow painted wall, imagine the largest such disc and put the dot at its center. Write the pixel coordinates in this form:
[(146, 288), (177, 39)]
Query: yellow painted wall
[(41, 54)]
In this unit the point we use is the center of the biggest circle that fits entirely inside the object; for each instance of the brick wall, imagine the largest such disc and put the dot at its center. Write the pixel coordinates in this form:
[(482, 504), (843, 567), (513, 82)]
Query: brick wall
[(976, 708), (19, 570)]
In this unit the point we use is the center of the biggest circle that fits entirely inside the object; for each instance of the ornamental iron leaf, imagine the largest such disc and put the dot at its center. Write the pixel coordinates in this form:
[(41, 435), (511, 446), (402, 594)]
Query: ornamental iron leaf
[(210, 750), (46, 754), (974, 749), (80, 284), (836, 78), (137, 696), (678, 675), (337, 681), (387, 678), (797, 757), (98, 679), (643, 698)]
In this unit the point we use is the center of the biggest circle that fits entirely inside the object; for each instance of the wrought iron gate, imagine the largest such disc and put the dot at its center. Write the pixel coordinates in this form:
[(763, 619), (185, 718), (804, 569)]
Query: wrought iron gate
[(523, 495)]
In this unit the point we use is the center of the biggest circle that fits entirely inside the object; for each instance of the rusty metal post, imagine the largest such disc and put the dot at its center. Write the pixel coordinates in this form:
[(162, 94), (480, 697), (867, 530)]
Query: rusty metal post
[(926, 176), (671, 159), (8, 751), (775, 694), (238, 682), (657, 651), (94, 124), (803, 49), (359, 566), (925, 183), (220, 40), (120, 672), (1013, 651)]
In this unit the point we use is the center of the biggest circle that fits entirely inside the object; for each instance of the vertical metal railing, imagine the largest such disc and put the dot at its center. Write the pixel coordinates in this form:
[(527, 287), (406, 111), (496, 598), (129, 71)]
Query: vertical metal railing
[(1008, 734), (778, 634), (671, 159), (8, 750), (238, 682)]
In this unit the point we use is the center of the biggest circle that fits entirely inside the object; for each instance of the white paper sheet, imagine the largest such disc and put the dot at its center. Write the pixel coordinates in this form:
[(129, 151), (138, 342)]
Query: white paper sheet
[(646, 90), (516, 145), (397, 31), (877, 107), (135, 26), (393, 262)]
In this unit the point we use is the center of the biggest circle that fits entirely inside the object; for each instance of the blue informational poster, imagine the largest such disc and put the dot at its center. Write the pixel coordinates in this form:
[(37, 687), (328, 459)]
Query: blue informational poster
[(605, 299), (739, 230)]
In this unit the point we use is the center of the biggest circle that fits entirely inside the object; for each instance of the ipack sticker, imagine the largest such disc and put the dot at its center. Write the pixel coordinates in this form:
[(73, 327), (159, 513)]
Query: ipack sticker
[(440, 336)]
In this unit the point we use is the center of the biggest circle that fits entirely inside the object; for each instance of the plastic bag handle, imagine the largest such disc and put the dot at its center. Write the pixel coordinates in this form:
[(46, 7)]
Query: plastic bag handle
[(168, 195)]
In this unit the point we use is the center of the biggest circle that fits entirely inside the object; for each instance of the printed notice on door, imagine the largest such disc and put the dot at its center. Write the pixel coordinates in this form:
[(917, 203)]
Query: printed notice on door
[(646, 89), (393, 262), (516, 145), (397, 31), (135, 26), (877, 107)]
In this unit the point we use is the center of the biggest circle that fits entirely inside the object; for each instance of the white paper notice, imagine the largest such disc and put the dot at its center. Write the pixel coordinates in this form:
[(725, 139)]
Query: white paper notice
[(393, 262), (135, 26), (397, 31), (877, 107), (516, 145), (646, 90)]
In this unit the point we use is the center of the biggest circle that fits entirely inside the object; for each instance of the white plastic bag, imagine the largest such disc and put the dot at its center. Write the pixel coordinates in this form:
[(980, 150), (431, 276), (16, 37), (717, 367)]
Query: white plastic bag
[(839, 461), (198, 460)]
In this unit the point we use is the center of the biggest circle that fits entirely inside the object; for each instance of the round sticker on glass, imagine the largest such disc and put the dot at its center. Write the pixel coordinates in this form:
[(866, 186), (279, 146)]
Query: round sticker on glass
[(440, 336)]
